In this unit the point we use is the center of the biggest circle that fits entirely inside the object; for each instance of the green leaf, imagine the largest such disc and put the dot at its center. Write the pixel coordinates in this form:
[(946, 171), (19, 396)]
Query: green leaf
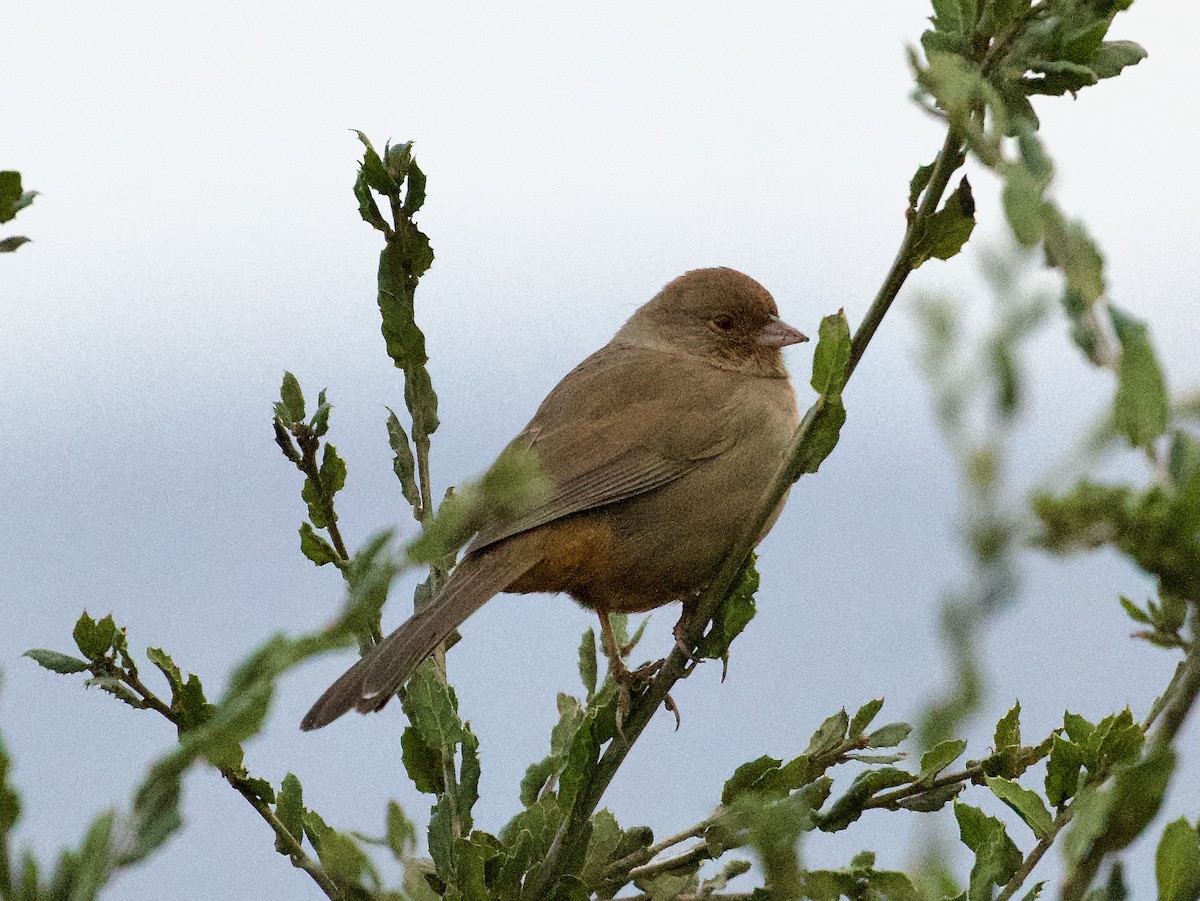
[(10, 244), (289, 808), (401, 833), (1177, 862), (830, 361), (1024, 192), (1008, 730), (587, 661), (1135, 613), (1027, 804), (403, 464), (996, 857), (13, 198), (155, 809), (314, 547), (1113, 56), (939, 757), (580, 764), (432, 708), (733, 614), (601, 850), (829, 735), (333, 471), (423, 763), (917, 185), (832, 355), (849, 807), (1117, 739), (1108, 820), (469, 773), (1079, 730), (339, 854), (56, 662), (1062, 770), (954, 16), (746, 776), (863, 718), (946, 231), (87, 639), (373, 169), (1142, 406), (889, 736), (292, 398)]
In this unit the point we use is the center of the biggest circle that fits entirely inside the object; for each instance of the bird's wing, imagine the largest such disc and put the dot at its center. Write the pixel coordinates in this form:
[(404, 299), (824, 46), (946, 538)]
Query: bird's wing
[(600, 436)]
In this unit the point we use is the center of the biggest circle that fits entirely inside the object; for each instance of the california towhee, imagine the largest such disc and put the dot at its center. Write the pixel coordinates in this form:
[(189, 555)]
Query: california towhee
[(657, 447)]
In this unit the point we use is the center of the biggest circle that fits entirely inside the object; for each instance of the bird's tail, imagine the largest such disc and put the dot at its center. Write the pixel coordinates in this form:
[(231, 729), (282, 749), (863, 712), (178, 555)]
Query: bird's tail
[(371, 682)]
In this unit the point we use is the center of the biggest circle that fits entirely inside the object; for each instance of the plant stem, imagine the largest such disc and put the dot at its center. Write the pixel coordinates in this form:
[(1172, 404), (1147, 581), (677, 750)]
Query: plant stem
[(295, 851), (692, 856), (1031, 859), (675, 666), (888, 800), (623, 866)]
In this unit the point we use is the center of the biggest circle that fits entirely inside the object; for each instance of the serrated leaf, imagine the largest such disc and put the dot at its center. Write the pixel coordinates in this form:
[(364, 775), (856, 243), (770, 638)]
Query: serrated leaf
[(946, 231), (832, 355), (86, 638), (889, 736), (289, 808), (13, 198), (745, 777), (1113, 56), (292, 398), (1062, 770), (333, 471), (403, 463), (469, 773), (1027, 804), (56, 662), (939, 757), (829, 374), (401, 833), (829, 735), (863, 717), (587, 661), (732, 616), (423, 763), (315, 547), (1142, 406), (849, 807), (996, 857), (1177, 862), (1008, 729)]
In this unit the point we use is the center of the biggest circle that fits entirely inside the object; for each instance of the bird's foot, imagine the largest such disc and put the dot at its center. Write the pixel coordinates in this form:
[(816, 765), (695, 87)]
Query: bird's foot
[(682, 644)]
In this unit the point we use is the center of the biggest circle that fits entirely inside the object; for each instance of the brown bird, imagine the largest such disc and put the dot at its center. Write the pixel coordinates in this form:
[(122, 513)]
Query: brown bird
[(657, 447)]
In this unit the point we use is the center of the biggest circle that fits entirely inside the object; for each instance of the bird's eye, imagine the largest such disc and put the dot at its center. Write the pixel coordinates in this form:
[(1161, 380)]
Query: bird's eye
[(723, 322)]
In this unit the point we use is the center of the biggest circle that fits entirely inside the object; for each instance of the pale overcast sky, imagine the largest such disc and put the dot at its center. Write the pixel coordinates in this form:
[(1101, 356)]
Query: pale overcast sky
[(196, 235)]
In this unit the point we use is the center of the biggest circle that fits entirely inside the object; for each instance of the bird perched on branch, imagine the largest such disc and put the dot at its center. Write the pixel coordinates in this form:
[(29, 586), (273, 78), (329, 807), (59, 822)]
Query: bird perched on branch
[(656, 448)]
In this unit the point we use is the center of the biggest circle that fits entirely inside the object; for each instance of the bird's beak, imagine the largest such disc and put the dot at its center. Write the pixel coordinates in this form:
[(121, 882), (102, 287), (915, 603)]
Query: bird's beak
[(778, 333)]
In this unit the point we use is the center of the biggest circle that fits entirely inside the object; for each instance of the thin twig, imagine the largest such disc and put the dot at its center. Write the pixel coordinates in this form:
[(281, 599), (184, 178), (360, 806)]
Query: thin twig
[(1031, 859), (295, 852), (888, 800), (623, 866), (691, 856)]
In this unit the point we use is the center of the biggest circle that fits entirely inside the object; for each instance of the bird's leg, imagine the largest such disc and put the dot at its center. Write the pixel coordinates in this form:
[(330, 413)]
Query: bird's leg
[(616, 666), (680, 632), (616, 669)]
